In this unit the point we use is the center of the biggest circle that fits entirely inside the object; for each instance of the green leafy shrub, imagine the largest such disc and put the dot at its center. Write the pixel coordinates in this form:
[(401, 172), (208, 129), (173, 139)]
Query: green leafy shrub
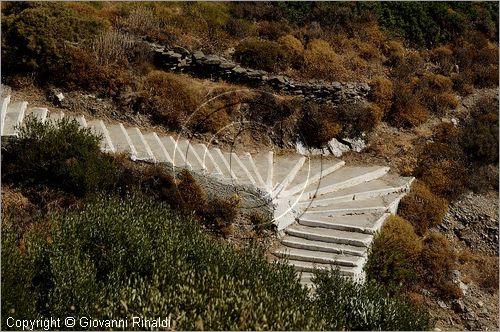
[(422, 208), (35, 38), (348, 305), (260, 54), (393, 258), (134, 257), (59, 155)]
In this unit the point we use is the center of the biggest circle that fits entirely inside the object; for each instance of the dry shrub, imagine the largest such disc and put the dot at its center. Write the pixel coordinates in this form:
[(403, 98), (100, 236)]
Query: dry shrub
[(443, 57), (407, 109), (368, 51), (318, 125), (441, 167), (170, 98), (140, 20), (394, 52), (260, 54), (260, 222), (294, 50), (439, 260), (188, 196), (463, 83), (211, 118), (321, 61), (358, 118), (422, 208), (382, 93), (394, 256), (269, 109), (240, 28), (114, 47), (483, 179), (447, 133), (481, 269), (273, 30), (220, 214)]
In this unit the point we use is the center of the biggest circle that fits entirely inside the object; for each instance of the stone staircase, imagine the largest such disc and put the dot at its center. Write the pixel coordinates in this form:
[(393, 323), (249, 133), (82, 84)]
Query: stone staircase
[(326, 212)]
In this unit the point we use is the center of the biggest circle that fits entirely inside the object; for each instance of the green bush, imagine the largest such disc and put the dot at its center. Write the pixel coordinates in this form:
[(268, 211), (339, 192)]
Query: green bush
[(393, 258), (59, 155), (422, 208), (260, 54), (35, 37), (134, 257), (348, 305)]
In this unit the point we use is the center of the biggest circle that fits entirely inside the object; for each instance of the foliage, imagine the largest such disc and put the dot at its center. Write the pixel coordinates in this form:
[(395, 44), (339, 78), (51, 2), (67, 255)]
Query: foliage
[(318, 125), (59, 155), (422, 208), (35, 39), (116, 258), (260, 54), (348, 305), (169, 98), (393, 258), (320, 60)]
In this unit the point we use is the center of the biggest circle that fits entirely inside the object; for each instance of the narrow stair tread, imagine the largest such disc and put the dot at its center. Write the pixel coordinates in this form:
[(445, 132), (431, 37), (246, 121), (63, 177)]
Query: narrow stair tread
[(311, 255), (302, 243), (301, 229), (372, 202)]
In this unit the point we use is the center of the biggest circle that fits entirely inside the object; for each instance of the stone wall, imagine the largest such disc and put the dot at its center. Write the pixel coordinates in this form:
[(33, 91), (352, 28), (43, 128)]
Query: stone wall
[(216, 67)]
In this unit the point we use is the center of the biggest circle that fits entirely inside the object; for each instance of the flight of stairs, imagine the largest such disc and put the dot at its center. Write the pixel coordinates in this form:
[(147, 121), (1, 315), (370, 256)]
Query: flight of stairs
[(326, 212)]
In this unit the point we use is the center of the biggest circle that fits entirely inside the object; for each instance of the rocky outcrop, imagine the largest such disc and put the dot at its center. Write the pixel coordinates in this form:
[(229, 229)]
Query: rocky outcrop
[(216, 67)]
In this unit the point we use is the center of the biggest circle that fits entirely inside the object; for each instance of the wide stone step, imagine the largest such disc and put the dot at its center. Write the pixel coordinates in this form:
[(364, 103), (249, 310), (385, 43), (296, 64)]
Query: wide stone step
[(222, 164), (55, 116), (239, 171), (99, 128), (5, 101), (38, 113), (170, 144), (336, 248), (329, 235), (142, 148), (248, 162), (160, 153), (311, 267), (318, 256), (284, 170), (367, 223), (13, 118), (264, 163), (206, 158), (384, 185), (311, 172), (371, 205), (343, 178), (80, 119), (121, 140)]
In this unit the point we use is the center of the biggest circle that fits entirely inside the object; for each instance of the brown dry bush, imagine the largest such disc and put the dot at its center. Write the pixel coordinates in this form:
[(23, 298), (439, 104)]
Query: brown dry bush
[(407, 109), (358, 118), (220, 214), (260, 54), (443, 57), (273, 30), (394, 52), (436, 92), (170, 98), (294, 50), (210, 118), (483, 270), (422, 208), (321, 61), (318, 125), (394, 257), (382, 93), (439, 260)]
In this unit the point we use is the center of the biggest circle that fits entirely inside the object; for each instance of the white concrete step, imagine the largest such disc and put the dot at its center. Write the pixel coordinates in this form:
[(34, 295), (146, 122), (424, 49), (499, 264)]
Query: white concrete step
[(82, 122), (195, 162), (242, 175), (121, 140), (341, 208), (337, 248), (55, 116), (160, 153), (38, 113), (367, 223), (318, 257), (13, 119), (170, 145), (264, 163), (284, 170), (5, 105), (249, 164), (311, 267), (206, 158), (329, 235), (384, 185), (222, 164), (343, 178), (311, 172), (142, 148), (99, 128)]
